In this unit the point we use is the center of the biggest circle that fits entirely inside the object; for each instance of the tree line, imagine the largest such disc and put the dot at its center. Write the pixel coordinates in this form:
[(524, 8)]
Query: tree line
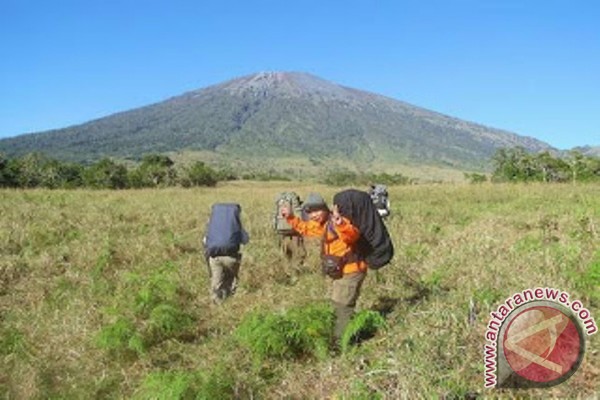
[(348, 178), (155, 170), (517, 165), (35, 170)]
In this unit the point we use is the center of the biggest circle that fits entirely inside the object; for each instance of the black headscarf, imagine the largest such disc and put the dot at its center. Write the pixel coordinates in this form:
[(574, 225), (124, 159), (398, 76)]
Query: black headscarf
[(375, 245)]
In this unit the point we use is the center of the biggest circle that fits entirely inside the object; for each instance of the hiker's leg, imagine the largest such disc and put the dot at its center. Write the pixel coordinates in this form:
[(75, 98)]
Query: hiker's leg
[(344, 295), (299, 250), (235, 270), (290, 251), (217, 277), (285, 244), (230, 271), (343, 315)]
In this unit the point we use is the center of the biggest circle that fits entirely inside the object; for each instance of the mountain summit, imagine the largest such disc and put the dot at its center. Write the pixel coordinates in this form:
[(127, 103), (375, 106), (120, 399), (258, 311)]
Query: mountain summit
[(274, 115)]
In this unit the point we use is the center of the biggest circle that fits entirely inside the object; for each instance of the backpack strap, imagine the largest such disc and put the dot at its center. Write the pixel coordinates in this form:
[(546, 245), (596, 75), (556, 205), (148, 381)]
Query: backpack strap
[(328, 228), (349, 257)]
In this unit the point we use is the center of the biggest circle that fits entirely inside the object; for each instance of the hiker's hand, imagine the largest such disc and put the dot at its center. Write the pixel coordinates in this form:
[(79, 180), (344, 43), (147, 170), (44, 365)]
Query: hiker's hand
[(335, 215), (285, 211)]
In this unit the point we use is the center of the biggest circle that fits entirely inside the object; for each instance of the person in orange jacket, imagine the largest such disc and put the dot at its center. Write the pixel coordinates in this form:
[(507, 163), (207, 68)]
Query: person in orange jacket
[(338, 238)]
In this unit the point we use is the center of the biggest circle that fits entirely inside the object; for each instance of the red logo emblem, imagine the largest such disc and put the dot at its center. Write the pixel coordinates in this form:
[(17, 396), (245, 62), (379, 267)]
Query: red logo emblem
[(543, 345)]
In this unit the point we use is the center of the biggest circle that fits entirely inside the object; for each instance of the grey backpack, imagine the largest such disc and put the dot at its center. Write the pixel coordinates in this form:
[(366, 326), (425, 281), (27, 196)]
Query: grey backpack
[(280, 224), (381, 200)]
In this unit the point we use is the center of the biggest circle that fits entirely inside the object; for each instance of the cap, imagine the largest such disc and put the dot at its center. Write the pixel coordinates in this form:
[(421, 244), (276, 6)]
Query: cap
[(313, 202)]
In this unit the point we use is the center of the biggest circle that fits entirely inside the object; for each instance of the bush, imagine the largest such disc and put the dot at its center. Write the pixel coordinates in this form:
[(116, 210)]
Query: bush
[(155, 170), (158, 288), (167, 320), (199, 174), (348, 178), (106, 174), (342, 178), (265, 176), (149, 314), (217, 383), (121, 337), (475, 177), (297, 333), (362, 326), (166, 385)]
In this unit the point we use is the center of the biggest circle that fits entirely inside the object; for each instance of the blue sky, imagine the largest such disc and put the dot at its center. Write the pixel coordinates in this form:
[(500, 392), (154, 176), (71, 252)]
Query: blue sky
[(527, 66)]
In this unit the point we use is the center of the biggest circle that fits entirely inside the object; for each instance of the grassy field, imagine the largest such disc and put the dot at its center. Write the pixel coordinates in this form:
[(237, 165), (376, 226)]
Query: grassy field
[(104, 294)]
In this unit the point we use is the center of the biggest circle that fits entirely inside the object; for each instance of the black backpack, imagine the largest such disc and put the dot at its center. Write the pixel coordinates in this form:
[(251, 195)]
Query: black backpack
[(224, 232), (374, 245)]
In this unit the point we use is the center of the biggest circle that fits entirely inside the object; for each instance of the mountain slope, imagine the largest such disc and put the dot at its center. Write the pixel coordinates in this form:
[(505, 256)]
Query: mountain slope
[(273, 115), (589, 151)]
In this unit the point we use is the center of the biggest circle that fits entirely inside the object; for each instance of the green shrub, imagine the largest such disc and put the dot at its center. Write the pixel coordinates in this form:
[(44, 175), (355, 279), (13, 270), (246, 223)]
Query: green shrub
[(363, 325), (349, 178), (217, 383), (267, 336), (160, 287), (315, 325), (167, 386), (148, 313), (121, 336), (297, 333), (199, 174), (475, 177), (341, 178), (167, 320)]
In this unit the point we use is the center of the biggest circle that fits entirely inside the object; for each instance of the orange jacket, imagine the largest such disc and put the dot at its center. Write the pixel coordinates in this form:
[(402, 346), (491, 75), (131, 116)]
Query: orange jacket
[(347, 235)]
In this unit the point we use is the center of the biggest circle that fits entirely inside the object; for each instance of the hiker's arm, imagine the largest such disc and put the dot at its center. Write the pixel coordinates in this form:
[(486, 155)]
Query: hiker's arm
[(305, 228), (347, 232), (245, 237)]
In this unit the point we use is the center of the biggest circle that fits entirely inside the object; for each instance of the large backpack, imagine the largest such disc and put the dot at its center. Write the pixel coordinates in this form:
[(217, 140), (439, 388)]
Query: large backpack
[(379, 196), (224, 232), (280, 224), (374, 245)]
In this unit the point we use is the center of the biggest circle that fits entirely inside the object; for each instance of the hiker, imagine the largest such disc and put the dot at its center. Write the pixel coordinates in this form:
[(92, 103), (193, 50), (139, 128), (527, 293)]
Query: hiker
[(290, 241), (224, 235), (338, 237)]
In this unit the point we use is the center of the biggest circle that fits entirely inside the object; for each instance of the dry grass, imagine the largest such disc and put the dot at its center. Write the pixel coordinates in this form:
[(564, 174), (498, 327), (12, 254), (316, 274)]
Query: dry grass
[(74, 262)]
